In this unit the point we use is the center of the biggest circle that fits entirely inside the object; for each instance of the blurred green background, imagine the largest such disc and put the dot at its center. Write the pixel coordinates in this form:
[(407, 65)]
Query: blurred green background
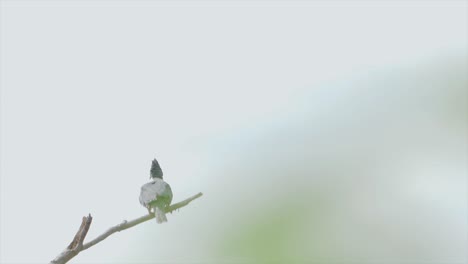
[(319, 132), (354, 174)]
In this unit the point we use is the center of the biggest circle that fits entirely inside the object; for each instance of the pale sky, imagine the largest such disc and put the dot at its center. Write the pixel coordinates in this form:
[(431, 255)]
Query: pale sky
[(92, 91)]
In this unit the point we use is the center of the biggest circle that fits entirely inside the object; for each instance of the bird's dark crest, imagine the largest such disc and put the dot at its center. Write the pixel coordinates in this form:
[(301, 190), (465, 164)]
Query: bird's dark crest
[(156, 171)]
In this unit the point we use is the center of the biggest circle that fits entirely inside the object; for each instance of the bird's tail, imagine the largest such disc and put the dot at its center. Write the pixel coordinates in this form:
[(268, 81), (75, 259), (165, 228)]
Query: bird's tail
[(159, 215)]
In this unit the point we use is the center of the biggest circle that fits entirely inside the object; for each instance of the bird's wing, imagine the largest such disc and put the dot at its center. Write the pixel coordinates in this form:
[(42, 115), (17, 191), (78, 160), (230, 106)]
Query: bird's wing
[(167, 192), (156, 171), (147, 194)]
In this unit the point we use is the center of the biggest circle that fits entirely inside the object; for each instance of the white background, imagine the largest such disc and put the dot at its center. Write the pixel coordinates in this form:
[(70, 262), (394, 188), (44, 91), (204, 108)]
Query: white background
[(359, 103)]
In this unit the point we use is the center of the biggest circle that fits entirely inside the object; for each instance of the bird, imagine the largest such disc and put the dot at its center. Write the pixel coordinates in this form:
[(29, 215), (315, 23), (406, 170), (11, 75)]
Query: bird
[(156, 194)]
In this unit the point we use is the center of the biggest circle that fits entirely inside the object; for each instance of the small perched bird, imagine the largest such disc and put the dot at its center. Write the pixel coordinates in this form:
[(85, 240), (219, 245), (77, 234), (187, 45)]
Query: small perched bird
[(157, 194)]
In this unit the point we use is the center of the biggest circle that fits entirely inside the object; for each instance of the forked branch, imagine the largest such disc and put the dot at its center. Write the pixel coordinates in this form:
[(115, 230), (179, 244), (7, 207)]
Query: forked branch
[(76, 246)]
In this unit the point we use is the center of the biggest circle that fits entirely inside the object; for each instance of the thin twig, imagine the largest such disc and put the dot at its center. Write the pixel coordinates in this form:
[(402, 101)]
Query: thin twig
[(76, 246), (127, 224)]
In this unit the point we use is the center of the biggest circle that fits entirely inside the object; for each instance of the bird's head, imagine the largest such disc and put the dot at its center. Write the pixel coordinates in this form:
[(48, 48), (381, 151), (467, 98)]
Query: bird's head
[(155, 171)]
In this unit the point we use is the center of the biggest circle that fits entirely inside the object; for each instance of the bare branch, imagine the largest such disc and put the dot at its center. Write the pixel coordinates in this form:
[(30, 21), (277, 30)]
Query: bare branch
[(185, 202), (76, 246), (84, 231), (127, 224), (75, 240)]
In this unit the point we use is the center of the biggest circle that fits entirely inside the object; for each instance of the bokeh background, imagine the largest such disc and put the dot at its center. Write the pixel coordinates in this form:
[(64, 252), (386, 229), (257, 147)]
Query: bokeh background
[(319, 132)]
